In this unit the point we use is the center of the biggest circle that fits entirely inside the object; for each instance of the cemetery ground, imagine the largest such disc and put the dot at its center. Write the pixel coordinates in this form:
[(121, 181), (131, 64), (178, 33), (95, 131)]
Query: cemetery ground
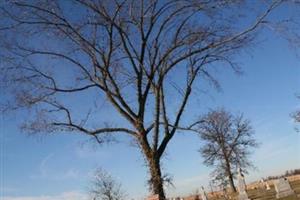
[(258, 193), (261, 194)]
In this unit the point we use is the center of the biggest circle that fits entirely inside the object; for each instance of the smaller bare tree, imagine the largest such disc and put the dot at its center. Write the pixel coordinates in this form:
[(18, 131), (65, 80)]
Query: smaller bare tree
[(227, 141), (105, 187), (296, 115)]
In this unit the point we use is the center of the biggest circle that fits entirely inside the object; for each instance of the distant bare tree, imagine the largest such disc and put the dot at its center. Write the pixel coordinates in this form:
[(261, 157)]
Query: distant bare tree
[(143, 58), (296, 115), (227, 141), (105, 187)]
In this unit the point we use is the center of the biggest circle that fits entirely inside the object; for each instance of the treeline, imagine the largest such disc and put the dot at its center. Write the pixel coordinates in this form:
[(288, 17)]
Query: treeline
[(287, 173)]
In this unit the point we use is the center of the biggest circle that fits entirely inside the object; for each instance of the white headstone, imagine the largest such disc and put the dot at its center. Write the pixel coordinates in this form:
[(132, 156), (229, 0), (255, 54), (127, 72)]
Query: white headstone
[(267, 186), (283, 188), (203, 194), (242, 186), (262, 180), (262, 183)]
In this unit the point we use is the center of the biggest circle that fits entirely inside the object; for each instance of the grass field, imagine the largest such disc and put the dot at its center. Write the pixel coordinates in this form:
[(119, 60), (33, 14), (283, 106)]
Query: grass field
[(261, 194)]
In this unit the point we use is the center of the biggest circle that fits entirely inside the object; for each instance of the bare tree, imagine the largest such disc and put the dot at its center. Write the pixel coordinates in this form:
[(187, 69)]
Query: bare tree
[(296, 115), (140, 57), (227, 142), (104, 187)]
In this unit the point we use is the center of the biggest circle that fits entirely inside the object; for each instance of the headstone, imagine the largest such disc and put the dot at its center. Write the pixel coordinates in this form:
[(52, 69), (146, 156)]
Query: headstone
[(153, 197), (283, 188), (262, 180), (203, 194), (264, 184), (267, 186), (242, 186)]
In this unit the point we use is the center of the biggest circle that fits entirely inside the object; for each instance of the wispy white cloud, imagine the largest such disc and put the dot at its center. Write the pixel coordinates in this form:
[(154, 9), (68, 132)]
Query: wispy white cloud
[(58, 176), (45, 172), (71, 195), (43, 165)]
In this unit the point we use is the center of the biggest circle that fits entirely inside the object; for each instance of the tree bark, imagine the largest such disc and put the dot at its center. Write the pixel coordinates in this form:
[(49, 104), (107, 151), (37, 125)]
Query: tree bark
[(230, 176), (153, 159), (231, 182), (156, 180)]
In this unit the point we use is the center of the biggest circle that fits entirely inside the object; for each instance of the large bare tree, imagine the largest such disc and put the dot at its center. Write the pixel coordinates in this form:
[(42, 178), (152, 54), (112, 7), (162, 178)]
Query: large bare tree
[(227, 142), (142, 58)]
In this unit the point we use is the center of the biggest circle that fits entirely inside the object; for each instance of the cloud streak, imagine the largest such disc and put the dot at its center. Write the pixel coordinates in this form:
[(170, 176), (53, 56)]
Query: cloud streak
[(45, 172)]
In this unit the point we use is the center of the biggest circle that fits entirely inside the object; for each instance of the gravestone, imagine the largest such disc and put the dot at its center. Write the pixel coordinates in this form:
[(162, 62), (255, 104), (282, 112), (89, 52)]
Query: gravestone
[(264, 184), (242, 186), (283, 188), (203, 194), (267, 186)]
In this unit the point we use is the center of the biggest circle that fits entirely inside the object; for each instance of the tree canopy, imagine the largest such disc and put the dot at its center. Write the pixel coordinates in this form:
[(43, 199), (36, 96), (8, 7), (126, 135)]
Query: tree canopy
[(140, 58)]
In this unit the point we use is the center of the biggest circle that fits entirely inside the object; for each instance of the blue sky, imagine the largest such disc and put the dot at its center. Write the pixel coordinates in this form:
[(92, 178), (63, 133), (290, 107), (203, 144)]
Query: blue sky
[(60, 166)]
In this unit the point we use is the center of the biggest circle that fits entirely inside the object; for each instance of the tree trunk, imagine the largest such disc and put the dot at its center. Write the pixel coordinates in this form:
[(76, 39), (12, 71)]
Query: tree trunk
[(230, 176), (231, 182), (156, 180), (153, 159)]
